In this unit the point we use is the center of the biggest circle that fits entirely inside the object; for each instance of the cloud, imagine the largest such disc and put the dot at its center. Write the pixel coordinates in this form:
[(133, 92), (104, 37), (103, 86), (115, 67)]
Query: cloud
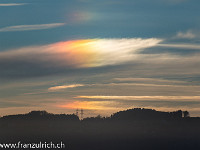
[(68, 56), (87, 53), (181, 46), (155, 98), (31, 27), (150, 85), (57, 88), (12, 4), (147, 80), (186, 35)]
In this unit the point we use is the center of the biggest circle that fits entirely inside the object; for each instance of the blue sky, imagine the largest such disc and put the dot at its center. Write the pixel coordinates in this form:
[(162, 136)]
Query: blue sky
[(61, 55)]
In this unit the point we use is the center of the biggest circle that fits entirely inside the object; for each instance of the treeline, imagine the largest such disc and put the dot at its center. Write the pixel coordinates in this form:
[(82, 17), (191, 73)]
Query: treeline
[(134, 129), (131, 114)]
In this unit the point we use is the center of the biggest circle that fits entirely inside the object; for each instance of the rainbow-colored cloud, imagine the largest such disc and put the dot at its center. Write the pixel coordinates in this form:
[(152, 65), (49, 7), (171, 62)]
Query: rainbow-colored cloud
[(79, 53)]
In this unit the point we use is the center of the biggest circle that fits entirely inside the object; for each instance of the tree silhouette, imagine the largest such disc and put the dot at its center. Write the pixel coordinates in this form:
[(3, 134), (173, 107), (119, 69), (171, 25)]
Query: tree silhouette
[(186, 114)]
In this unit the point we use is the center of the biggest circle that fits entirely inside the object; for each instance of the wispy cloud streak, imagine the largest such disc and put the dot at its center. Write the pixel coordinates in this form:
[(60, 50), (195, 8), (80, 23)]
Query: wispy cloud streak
[(156, 98), (31, 27), (156, 80), (57, 88), (12, 4), (182, 46)]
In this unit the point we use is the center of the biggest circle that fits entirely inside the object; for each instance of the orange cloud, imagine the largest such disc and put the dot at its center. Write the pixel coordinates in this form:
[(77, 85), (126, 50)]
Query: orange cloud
[(91, 105)]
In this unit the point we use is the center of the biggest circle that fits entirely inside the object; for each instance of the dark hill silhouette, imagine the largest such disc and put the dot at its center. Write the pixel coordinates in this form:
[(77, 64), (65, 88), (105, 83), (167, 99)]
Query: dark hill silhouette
[(134, 129), (130, 114), (41, 115), (146, 114)]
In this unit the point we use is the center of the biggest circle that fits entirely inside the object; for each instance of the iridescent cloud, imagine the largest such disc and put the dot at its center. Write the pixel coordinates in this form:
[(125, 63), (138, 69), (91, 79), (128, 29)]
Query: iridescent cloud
[(78, 53)]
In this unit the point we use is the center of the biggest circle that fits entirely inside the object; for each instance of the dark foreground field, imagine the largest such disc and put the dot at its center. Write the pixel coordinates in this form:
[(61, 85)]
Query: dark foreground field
[(135, 129)]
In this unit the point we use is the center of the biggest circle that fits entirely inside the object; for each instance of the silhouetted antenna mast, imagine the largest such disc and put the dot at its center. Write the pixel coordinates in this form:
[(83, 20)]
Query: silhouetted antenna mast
[(82, 113), (77, 111)]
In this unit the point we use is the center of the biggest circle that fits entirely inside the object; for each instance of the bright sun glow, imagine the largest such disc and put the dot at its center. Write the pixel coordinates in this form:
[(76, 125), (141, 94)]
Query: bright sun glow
[(90, 105)]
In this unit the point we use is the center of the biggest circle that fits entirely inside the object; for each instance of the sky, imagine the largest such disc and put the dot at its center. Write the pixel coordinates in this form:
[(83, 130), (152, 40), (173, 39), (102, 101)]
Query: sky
[(99, 56)]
